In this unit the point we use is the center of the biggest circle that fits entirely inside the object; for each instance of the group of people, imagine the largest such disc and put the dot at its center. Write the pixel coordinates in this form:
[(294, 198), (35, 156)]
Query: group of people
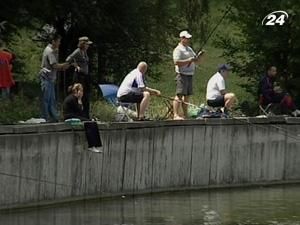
[(76, 105), (134, 90)]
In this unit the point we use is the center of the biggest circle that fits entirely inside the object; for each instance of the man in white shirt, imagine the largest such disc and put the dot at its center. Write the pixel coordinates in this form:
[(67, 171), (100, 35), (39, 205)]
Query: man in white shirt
[(184, 59), (216, 94), (134, 90)]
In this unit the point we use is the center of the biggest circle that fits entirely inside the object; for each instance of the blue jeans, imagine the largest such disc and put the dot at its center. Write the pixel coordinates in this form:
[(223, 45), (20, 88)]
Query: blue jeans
[(5, 92), (49, 112)]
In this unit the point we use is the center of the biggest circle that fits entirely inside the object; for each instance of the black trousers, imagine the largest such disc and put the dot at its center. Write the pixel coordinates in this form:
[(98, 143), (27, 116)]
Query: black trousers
[(85, 80), (92, 134)]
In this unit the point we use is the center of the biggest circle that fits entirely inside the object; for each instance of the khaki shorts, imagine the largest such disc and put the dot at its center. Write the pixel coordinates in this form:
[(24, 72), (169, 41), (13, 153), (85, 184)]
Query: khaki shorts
[(184, 84)]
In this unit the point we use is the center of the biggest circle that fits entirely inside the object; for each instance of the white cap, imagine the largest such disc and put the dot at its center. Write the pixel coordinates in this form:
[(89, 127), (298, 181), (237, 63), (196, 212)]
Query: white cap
[(185, 34)]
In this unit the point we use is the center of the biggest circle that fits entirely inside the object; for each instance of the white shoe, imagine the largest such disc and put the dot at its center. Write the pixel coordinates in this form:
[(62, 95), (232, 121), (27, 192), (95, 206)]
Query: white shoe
[(296, 113), (95, 149)]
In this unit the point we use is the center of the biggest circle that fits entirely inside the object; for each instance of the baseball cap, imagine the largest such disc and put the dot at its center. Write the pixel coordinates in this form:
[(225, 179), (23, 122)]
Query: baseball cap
[(185, 34), (224, 67), (85, 39)]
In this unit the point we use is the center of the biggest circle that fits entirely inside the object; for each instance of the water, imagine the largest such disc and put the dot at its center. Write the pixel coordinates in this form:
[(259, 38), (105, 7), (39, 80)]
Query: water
[(279, 205)]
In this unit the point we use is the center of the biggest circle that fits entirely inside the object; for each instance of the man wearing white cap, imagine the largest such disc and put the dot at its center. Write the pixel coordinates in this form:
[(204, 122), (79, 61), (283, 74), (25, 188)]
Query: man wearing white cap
[(184, 59)]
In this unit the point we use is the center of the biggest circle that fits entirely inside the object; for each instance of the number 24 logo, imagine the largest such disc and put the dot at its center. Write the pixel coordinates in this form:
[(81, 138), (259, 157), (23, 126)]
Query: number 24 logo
[(276, 17)]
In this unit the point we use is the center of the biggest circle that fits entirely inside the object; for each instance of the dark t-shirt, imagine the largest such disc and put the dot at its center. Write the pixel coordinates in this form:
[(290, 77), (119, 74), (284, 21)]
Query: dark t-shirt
[(267, 90), (72, 109)]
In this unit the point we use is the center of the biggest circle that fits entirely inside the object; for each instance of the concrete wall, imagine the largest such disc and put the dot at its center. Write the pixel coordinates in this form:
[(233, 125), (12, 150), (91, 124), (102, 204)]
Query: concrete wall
[(41, 164)]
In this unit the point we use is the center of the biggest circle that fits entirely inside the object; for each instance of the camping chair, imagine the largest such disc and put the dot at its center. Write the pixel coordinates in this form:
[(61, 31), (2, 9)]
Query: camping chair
[(270, 109), (109, 92), (169, 106)]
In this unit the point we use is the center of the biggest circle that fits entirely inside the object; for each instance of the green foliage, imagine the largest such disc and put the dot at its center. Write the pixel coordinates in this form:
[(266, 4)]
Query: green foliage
[(28, 54), (253, 46), (103, 111), (124, 32), (18, 109)]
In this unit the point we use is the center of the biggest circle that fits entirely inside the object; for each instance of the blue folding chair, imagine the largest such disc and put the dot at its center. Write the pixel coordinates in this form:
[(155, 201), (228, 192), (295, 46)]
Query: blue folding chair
[(109, 92)]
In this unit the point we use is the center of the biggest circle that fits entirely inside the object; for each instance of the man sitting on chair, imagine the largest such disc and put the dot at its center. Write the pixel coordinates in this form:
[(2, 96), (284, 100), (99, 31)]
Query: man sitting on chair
[(273, 94), (216, 94), (134, 90)]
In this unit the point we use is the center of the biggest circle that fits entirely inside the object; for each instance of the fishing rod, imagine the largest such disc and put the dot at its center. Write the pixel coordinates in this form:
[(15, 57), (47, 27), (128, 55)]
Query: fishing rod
[(180, 101), (213, 30)]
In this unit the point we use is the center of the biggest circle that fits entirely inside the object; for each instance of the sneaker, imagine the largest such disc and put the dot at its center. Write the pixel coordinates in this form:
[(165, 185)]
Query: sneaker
[(296, 113), (95, 149)]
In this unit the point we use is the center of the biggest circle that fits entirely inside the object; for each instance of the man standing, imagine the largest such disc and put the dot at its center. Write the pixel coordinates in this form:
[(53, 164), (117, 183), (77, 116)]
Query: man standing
[(48, 74), (82, 75), (216, 94), (184, 59), (134, 90)]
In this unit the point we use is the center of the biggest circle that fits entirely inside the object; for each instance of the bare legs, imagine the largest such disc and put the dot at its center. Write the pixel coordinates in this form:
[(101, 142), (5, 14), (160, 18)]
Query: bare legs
[(230, 100), (180, 101), (141, 108)]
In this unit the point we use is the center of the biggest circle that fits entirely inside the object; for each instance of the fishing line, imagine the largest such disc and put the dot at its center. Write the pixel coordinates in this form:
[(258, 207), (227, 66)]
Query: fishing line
[(283, 130), (34, 179), (215, 28), (180, 101)]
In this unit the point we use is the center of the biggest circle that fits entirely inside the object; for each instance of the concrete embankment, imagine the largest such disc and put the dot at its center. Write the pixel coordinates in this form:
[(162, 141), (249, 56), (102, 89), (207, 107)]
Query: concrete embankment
[(49, 163)]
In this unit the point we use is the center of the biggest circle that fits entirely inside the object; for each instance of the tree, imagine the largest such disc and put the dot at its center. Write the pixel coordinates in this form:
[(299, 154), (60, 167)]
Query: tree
[(251, 46)]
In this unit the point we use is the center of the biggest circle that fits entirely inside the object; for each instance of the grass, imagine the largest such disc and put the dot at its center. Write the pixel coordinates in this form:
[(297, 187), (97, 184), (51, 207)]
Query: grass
[(166, 83), (212, 59)]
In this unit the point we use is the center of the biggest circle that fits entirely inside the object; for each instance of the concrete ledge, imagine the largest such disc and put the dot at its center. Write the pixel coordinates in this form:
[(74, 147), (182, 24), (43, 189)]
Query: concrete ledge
[(292, 120), (6, 129), (258, 120), (62, 127), (50, 162), (277, 119)]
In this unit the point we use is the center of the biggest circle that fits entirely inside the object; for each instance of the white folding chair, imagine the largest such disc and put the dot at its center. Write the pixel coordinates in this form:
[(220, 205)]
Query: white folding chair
[(125, 110)]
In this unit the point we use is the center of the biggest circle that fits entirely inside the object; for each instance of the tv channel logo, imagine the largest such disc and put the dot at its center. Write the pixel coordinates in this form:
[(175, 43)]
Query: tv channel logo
[(275, 18)]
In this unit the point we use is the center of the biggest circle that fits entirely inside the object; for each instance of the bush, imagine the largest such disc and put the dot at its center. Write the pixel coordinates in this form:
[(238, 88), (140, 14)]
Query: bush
[(19, 108), (103, 111)]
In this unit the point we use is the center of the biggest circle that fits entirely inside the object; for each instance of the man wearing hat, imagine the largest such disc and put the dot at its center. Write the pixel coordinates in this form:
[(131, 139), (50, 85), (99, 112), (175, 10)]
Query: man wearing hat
[(216, 94), (184, 59), (81, 75)]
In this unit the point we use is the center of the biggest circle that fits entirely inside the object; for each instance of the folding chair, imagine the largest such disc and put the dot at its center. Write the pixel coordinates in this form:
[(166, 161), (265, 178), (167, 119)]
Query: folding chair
[(169, 106), (270, 109), (109, 93)]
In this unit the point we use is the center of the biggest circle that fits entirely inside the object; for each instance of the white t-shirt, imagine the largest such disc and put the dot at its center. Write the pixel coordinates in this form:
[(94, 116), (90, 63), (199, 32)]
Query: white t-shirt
[(215, 85), (131, 83), (182, 52)]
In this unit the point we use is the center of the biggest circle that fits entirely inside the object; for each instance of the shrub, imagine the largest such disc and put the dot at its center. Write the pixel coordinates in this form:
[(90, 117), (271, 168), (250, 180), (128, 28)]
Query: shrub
[(19, 108), (103, 111)]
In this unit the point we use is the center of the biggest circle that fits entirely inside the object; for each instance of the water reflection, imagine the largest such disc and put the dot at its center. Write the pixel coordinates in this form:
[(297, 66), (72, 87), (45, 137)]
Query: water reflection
[(262, 206)]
